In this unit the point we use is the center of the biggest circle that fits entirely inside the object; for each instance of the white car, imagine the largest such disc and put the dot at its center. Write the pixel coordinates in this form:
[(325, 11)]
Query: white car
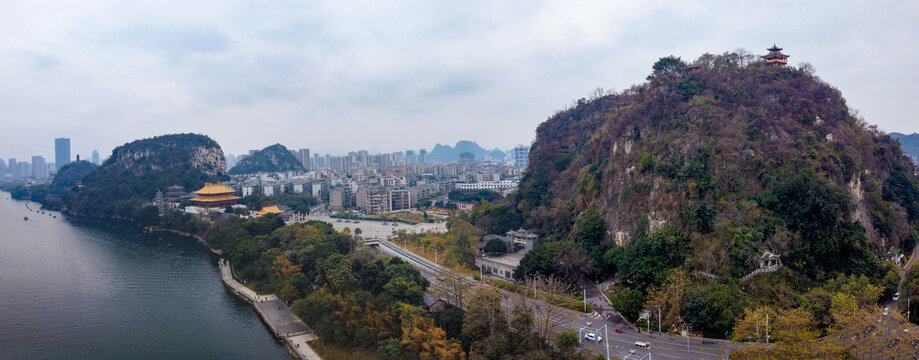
[(593, 337), (887, 310), (896, 296)]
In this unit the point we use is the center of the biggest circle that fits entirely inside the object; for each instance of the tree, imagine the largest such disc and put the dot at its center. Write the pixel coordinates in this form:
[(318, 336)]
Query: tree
[(669, 296), (428, 342), (667, 67), (628, 302), (548, 290), (336, 272), (567, 340), (484, 315), (404, 290), (450, 285), (147, 216), (495, 246)]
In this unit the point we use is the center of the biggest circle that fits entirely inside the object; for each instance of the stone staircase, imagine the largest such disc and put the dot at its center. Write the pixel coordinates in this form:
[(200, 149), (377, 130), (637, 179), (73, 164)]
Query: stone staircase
[(767, 269)]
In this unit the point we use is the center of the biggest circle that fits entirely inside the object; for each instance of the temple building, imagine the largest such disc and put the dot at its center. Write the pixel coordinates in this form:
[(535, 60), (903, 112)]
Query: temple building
[(215, 196), (273, 209), (775, 57)]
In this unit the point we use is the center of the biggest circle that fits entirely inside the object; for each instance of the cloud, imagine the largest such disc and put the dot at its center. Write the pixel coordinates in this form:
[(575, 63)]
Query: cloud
[(368, 74)]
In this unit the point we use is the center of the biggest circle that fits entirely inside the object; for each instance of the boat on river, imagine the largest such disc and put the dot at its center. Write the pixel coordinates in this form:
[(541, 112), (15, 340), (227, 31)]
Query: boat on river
[(25, 218)]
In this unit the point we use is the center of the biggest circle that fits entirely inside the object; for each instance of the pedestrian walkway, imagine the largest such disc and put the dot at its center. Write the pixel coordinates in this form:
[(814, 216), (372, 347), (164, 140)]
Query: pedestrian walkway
[(282, 322)]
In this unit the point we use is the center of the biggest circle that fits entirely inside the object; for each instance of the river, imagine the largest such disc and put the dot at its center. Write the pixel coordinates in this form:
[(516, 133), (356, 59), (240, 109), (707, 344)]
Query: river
[(74, 289)]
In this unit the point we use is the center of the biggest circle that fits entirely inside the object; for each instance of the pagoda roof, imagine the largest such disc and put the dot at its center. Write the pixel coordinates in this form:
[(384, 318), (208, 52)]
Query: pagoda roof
[(215, 198), (214, 189), (273, 209), (774, 48)]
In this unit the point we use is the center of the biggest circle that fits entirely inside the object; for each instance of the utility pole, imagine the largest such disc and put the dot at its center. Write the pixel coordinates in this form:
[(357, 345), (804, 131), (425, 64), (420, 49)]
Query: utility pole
[(658, 320), (584, 295), (767, 328), (606, 330)]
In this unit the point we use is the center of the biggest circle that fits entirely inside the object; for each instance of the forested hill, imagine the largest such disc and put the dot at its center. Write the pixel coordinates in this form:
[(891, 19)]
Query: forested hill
[(909, 143), (274, 158), (132, 175), (708, 165)]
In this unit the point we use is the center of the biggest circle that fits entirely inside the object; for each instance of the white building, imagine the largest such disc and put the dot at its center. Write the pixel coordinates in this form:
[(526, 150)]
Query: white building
[(489, 185)]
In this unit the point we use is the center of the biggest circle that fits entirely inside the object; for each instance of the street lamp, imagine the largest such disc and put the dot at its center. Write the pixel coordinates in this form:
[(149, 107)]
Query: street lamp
[(658, 319), (584, 296)]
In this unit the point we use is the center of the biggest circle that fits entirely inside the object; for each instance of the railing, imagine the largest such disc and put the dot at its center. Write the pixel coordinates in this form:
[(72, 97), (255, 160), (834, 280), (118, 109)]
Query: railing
[(767, 269)]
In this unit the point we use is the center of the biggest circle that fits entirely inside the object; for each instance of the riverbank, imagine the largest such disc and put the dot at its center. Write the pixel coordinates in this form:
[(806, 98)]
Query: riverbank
[(282, 322), (200, 239)]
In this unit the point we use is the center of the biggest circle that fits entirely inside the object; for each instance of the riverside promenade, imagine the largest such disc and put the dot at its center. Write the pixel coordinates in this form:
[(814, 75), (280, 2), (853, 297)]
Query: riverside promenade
[(282, 322)]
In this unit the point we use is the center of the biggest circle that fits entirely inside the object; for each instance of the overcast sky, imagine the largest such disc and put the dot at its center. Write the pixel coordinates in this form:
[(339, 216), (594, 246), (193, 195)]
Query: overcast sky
[(388, 76)]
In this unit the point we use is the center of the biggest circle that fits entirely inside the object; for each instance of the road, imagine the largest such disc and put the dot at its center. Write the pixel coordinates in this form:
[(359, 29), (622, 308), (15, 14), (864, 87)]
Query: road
[(620, 344), (377, 229)]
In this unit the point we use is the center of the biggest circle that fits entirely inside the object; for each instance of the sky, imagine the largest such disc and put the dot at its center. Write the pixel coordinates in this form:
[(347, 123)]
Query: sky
[(335, 76)]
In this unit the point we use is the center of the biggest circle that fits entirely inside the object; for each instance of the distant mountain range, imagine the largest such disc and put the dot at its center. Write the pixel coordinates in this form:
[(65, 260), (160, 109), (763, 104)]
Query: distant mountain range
[(909, 143), (447, 153)]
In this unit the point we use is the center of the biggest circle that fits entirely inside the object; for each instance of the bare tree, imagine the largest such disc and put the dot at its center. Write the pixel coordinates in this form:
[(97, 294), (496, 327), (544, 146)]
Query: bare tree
[(451, 285), (545, 306)]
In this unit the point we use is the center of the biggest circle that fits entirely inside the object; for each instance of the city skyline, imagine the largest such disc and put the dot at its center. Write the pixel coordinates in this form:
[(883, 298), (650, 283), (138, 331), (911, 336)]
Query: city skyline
[(320, 75), (94, 154)]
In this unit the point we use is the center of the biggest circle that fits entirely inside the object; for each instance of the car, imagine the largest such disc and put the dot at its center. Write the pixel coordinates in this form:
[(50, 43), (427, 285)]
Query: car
[(642, 344), (896, 296), (593, 337), (887, 310), (618, 330)]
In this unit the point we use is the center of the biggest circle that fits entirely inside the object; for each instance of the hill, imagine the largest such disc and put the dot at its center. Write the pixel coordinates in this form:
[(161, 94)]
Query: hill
[(71, 174), (135, 171), (704, 168), (448, 154), (909, 143), (275, 158)]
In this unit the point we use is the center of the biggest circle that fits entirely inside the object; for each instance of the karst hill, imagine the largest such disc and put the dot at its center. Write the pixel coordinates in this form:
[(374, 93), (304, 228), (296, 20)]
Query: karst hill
[(729, 156)]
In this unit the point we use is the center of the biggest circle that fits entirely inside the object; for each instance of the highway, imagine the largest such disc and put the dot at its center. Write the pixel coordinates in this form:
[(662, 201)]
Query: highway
[(620, 344)]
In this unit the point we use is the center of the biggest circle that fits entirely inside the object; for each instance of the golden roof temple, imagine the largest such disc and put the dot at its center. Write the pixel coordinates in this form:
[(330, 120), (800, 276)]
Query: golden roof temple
[(273, 209), (215, 196), (775, 58)]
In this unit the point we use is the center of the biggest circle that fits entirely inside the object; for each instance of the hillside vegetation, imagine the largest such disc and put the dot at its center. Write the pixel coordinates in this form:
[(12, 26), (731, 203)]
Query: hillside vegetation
[(275, 158), (132, 175), (702, 169)]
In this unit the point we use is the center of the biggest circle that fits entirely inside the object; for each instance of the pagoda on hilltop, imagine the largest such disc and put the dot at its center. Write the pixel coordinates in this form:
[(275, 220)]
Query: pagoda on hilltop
[(215, 196), (775, 58)]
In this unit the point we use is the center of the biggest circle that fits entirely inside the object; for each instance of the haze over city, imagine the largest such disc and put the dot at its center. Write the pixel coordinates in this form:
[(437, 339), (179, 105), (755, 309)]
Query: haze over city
[(385, 77)]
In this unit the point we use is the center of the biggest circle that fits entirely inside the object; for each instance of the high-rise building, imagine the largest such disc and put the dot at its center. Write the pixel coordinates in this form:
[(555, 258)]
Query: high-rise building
[(421, 155), (316, 163), (38, 167), (95, 157), (23, 169), (2, 168), (14, 170), (521, 156), (304, 157), (61, 152)]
